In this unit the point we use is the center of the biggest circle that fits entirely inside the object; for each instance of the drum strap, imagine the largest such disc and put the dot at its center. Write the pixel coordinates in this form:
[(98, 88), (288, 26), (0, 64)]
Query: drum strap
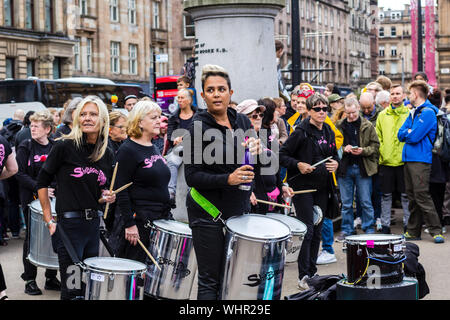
[(68, 245), (206, 205)]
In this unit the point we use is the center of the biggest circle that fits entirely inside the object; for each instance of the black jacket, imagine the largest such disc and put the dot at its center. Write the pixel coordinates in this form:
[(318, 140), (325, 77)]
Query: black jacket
[(174, 124), (302, 146), (211, 180)]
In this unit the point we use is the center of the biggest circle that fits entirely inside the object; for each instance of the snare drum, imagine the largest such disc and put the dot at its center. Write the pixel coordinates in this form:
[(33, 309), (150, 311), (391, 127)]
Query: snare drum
[(255, 252), (41, 252), (380, 255), (171, 245), (298, 232), (114, 279)]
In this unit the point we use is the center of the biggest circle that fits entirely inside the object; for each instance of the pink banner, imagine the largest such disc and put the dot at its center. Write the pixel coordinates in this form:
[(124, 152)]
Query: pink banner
[(414, 35), (430, 43)]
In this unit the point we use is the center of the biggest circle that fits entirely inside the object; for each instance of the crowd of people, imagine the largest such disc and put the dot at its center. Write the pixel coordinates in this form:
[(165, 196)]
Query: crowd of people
[(363, 153)]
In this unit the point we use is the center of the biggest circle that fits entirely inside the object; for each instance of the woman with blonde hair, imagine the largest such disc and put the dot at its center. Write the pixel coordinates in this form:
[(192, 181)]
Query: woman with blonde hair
[(81, 164), (140, 162)]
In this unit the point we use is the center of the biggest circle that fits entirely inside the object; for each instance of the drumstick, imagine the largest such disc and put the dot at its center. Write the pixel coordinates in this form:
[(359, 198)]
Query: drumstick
[(111, 188), (304, 191), (148, 253), (101, 200), (320, 162), (274, 204)]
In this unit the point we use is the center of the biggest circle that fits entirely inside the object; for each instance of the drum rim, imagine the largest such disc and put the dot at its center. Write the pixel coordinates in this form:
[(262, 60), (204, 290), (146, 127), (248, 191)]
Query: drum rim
[(293, 232), (395, 239), (109, 271), (34, 210), (186, 235), (246, 237)]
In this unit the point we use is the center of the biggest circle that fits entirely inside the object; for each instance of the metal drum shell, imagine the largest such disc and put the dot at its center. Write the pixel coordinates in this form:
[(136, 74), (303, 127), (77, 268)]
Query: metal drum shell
[(357, 262), (104, 283), (174, 252), (297, 235), (41, 252), (254, 267)]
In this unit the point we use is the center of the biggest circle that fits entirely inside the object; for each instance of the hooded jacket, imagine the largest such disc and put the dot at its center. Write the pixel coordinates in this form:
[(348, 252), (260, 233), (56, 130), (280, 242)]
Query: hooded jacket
[(211, 179), (419, 141), (388, 124)]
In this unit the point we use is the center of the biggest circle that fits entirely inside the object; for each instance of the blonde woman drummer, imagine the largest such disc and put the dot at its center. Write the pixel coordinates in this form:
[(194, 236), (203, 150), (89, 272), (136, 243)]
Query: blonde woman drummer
[(82, 165)]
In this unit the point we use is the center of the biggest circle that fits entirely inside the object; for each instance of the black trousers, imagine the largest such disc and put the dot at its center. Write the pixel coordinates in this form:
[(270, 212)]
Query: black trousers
[(311, 243), (30, 270), (2, 280), (84, 236)]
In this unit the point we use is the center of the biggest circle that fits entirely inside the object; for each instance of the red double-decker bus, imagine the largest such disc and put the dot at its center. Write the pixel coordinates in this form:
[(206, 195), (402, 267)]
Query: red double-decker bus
[(166, 91)]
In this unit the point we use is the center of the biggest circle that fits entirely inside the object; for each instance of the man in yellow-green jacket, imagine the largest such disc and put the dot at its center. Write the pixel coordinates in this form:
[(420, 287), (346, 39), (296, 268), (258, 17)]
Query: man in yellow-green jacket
[(391, 175)]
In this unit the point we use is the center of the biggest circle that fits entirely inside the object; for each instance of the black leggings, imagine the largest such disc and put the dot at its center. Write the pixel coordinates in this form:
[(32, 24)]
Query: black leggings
[(311, 243), (2, 280)]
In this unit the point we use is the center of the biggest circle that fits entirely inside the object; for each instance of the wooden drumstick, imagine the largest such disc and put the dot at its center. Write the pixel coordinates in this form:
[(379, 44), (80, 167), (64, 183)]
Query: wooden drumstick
[(274, 204), (111, 188), (304, 191), (101, 200), (148, 253)]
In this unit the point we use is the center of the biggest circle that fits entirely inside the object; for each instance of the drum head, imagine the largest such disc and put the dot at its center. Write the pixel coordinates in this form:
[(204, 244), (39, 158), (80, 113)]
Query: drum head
[(173, 226), (297, 227), (363, 238), (114, 264), (258, 227), (35, 206)]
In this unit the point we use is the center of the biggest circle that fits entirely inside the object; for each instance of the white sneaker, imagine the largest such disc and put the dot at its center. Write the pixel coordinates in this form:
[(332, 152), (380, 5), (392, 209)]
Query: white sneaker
[(426, 230), (325, 258), (444, 230), (357, 223), (302, 285), (378, 223)]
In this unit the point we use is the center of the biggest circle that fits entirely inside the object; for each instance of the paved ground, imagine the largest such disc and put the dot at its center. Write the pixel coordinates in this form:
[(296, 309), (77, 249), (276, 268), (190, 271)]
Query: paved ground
[(434, 257)]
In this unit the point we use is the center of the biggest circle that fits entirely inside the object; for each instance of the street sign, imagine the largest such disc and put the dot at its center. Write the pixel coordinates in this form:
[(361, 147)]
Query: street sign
[(445, 71), (162, 58)]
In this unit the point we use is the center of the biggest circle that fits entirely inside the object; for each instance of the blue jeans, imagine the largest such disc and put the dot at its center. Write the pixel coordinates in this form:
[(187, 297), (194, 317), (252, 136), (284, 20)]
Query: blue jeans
[(376, 198), (327, 235), (347, 187)]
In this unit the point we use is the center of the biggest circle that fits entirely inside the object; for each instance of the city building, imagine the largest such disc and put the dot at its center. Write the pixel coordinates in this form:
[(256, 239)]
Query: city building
[(395, 46), (443, 43)]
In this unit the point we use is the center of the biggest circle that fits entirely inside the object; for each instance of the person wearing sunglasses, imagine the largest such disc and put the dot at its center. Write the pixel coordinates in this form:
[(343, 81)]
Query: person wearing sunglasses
[(311, 142)]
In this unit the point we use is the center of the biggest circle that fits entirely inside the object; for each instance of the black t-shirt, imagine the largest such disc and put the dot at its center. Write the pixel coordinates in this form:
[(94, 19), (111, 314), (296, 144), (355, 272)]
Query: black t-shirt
[(80, 181), (5, 151), (185, 124), (147, 169)]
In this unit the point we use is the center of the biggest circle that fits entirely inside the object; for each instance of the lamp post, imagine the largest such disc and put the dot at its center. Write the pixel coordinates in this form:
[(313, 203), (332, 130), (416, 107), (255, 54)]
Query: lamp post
[(296, 53)]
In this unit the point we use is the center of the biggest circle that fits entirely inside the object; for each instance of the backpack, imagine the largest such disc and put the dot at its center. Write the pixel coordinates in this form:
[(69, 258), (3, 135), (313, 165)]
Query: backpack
[(441, 145), (10, 131)]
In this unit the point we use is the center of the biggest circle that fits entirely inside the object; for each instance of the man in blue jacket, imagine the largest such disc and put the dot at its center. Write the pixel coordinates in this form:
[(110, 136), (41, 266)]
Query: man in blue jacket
[(419, 132)]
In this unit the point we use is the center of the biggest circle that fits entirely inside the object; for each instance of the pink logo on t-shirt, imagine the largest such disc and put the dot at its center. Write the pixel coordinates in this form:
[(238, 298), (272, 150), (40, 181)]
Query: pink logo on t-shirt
[(80, 172), (2, 154), (149, 162), (38, 158)]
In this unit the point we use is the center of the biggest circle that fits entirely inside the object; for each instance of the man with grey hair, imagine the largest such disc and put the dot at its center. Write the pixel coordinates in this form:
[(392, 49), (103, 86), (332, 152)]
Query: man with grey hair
[(67, 119), (19, 115), (383, 99), (369, 109), (359, 163)]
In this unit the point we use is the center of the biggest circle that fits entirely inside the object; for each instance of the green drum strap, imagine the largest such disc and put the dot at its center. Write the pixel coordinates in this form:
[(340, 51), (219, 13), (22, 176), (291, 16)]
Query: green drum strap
[(206, 205)]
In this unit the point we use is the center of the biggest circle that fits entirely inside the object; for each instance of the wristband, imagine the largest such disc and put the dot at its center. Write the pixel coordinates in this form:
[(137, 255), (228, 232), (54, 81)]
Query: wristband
[(47, 224)]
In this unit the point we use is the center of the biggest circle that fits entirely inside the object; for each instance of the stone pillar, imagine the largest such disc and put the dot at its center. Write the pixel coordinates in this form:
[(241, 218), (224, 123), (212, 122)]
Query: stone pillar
[(239, 36)]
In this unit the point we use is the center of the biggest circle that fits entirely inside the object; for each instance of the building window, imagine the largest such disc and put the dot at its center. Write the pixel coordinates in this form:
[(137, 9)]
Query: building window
[(89, 54), (381, 51), (132, 59), (338, 20), (288, 34), (29, 14), (30, 68), (381, 32), (325, 16), (189, 27), (83, 7), (326, 44), (319, 13), (114, 10), (331, 18), (156, 18), (8, 13), (57, 68), (48, 15), (394, 51), (76, 54), (115, 57), (288, 6), (394, 68), (393, 31), (132, 12), (10, 68)]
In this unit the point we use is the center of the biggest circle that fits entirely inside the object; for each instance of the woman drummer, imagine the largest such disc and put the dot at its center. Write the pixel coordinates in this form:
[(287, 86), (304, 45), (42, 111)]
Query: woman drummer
[(311, 142), (82, 167), (31, 156), (140, 162), (216, 181)]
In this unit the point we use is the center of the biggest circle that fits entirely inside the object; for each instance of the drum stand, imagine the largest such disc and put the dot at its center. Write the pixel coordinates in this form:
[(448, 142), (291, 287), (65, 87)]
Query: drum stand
[(405, 290)]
